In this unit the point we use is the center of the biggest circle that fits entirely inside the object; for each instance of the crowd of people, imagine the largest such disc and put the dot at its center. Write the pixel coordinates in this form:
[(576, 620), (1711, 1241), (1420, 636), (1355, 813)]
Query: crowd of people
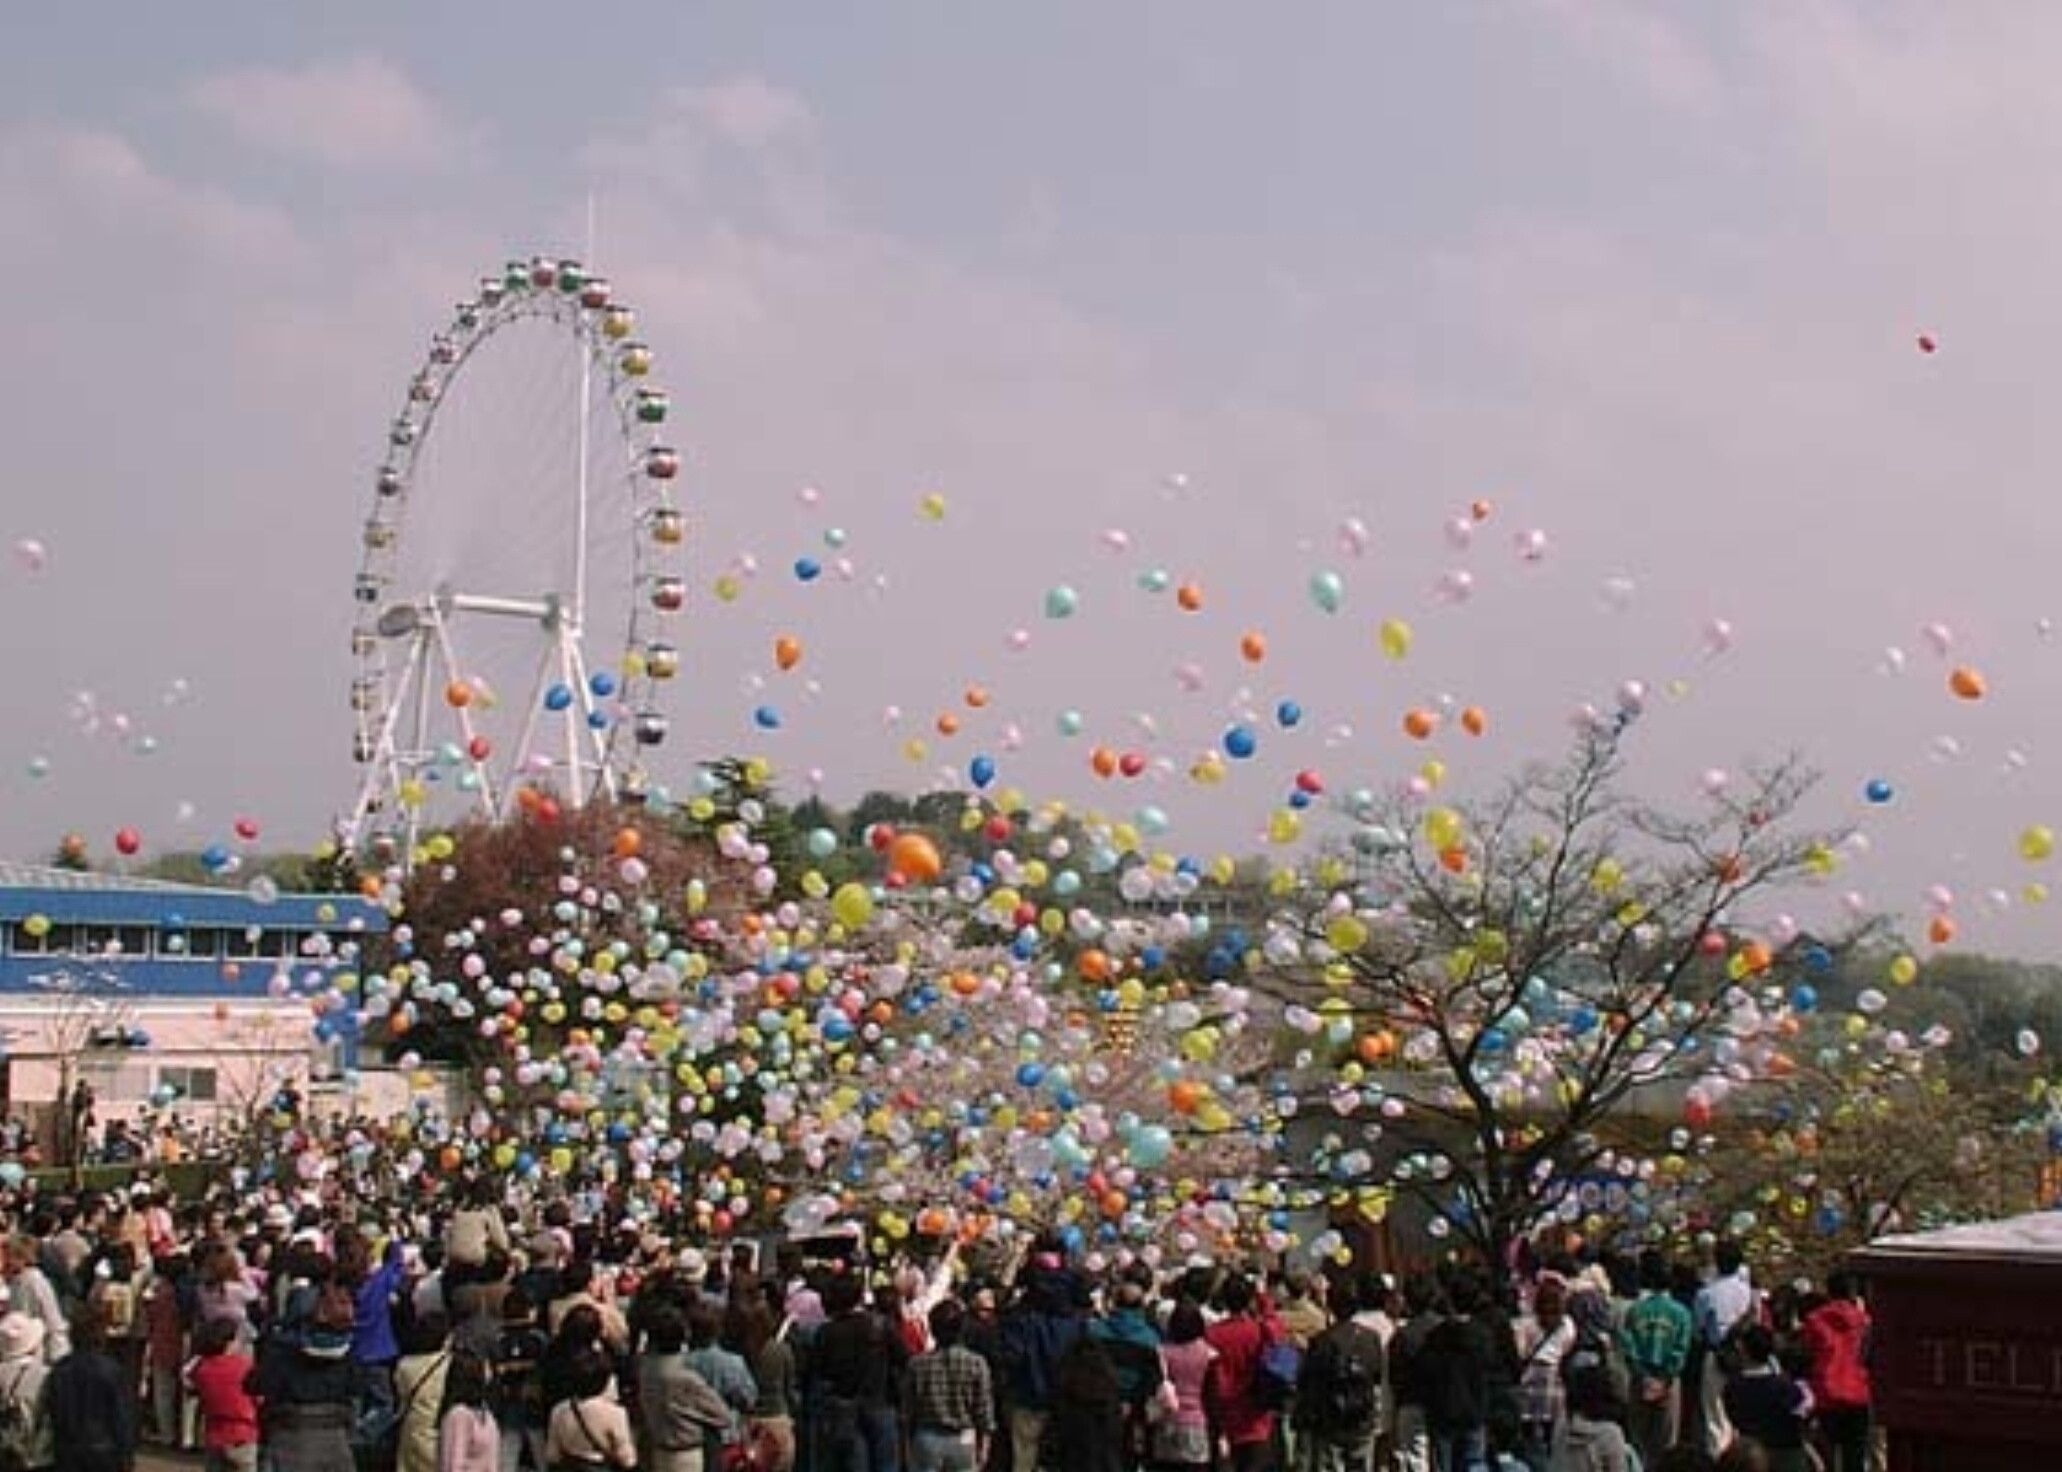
[(313, 1332)]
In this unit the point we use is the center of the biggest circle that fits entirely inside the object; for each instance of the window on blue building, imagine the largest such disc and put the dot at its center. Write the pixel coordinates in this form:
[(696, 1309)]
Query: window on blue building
[(54, 940), (194, 1085)]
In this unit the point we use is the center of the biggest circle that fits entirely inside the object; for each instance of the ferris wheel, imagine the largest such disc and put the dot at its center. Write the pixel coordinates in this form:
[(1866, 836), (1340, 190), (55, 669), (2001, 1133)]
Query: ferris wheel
[(519, 561)]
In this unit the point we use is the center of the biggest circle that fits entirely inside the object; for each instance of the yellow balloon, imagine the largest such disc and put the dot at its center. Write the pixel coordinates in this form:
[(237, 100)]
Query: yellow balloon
[(852, 905), (1904, 971), (1284, 827), (2037, 844), (1443, 828), (728, 588), (1346, 933), (1396, 636), (932, 507)]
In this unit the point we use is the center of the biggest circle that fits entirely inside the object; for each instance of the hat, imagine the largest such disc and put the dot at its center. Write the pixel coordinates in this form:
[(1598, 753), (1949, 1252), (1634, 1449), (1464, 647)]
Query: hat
[(21, 1336), (694, 1264), (279, 1217)]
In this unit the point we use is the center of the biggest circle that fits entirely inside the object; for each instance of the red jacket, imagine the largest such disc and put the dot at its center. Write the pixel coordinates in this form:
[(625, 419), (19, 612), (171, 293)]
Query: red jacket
[(1234, 1377), (229, 1416), (1836, 1335)]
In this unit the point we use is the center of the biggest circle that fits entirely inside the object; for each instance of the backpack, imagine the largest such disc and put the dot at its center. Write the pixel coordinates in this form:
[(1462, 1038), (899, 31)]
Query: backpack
[(1274, 1379), (1339, 1389), (1598, 1352)]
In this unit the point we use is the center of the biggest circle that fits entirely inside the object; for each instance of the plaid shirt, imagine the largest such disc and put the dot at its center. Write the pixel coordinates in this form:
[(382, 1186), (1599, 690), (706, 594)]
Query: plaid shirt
[(949, 1390), (1542, 1400)]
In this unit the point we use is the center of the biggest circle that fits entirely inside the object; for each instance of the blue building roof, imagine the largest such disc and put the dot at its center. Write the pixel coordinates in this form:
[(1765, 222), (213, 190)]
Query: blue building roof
[(167, 940)]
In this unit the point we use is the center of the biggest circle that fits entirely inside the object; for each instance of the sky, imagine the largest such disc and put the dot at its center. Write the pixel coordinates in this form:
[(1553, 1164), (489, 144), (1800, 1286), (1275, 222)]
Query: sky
[(1648, 279)]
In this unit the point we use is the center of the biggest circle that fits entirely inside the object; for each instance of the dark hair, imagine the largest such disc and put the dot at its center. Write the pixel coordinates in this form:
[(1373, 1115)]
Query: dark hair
[(589, 1373), (1590, 1395), (576, 1276), (841, 1295), (1728, 1258), (1744, 1455), (665, 1328), (581, 1325), (465, 1382), (948, 1320), (1684, 1458), (1236, 1296), (1185, 1324), (1085, 1379), (1653, 1271), (751, 1326), (704, 1323), (1757, 1344), (214, 1336), (1841, 1284), (516, 1306), (89, 1329), (428, 1333)]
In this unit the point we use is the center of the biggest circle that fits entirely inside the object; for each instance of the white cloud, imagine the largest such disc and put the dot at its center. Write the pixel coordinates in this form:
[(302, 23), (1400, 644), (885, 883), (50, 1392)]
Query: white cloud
[(353, 112), (103, 172)]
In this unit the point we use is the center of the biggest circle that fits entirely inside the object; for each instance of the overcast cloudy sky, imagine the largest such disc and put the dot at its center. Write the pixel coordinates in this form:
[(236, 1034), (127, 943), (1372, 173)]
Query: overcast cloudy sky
[(1222, 277)]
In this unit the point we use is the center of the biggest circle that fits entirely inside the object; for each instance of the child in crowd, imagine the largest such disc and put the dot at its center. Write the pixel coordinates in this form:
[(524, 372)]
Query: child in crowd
[(229, 1414)]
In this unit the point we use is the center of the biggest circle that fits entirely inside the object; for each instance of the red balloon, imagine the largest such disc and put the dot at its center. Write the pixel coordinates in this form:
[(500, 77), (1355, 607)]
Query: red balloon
[(1928, 343), (128, 842), (879, 836), (1131, 764), (247, 829)]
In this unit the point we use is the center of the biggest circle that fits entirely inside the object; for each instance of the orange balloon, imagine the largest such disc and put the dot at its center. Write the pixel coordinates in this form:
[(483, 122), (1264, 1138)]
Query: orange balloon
[(1253, 647), (787, 651), (1419, 724), (948, 724), (1104, 761), (976, 697), (1474, 720), (458, 695), (1189, 596), (915, 858), (1756, 957), (1184, 1095), (1966, 683), (1094, 966), (1454, 860), (965, 983), (1480, 510), (1941, 931), (628, 842)]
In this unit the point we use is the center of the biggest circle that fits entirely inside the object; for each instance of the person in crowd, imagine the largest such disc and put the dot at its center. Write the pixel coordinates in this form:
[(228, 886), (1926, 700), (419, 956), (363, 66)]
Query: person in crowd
[(681, 1414), (1181, 1433), (29, 1291), (1037, 1331), (521, 1410), (1655, 1337), (374, 1289), (949, 1400), (92, 1407), (25, 1437), (859, 1363), (118, 1282), (419, 1380), (581, 1286), (1242, 1422), (1338, 1409), (474, 1228), (1764, 1405), (1545, 1337), (1727, 1302), (1085, 1421), (722, 1369), (219, 1378), (468, 1440), (1835, 1338), (165, 1353), (1452, 1370), (768, 1348), (589, 1430), (1590, 1438)]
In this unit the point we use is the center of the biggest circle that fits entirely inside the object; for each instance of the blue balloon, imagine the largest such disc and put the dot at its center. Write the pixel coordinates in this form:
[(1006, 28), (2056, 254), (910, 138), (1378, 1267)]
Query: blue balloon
[(1030, 1075), (766, 718), (982, 770), (214, 858), (1288, 715), (558, 697), (1804, 997), (1299, 799), (807, 569), (597, 720), (1240, 743), (1878, 791)]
